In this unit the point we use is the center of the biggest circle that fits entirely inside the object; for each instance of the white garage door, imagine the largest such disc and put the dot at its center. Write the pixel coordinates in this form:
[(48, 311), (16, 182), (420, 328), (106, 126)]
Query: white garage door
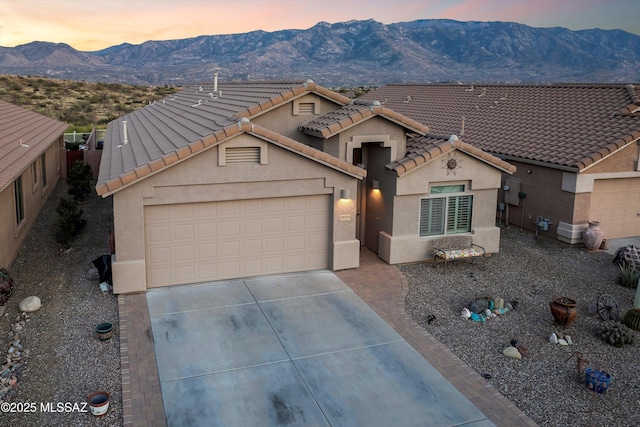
[(616, 204), (190, 243)]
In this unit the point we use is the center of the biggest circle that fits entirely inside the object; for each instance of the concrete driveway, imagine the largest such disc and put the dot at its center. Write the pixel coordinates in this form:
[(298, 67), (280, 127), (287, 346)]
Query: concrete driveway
[(292, 350)]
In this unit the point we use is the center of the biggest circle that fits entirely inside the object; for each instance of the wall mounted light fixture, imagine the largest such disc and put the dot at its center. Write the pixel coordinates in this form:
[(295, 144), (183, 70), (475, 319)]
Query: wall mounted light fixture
[(375, 184), (345, 194)]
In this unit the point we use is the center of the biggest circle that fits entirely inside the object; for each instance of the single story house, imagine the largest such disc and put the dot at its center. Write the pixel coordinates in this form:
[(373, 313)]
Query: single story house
[(575, 146), (240, 179), (30, 166)]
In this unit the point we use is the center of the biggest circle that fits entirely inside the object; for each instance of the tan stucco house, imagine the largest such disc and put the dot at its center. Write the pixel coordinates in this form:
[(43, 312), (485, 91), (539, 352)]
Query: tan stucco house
[(30, 166), (252, 178), (575, 146)]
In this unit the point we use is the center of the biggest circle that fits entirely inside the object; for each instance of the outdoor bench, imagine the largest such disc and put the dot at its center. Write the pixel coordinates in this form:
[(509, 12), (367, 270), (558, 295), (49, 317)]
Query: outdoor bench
[(454, 248)]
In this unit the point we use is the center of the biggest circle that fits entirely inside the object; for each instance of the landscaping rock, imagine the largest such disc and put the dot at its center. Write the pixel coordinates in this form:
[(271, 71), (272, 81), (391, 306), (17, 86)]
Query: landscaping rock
[(512, 352), (30, 304), (553, 338)]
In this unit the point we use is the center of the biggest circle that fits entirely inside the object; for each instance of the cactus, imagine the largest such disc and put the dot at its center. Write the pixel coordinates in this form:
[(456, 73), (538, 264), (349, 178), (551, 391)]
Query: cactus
[(615, 333), (632, 319), (628, 276)]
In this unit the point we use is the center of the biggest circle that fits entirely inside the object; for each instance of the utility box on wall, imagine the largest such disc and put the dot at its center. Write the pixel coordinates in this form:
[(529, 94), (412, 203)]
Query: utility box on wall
[(511, 194)]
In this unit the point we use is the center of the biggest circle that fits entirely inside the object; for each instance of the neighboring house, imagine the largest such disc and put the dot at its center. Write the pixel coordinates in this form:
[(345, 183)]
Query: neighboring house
[(30, 166), (575, 147), (253, 178)]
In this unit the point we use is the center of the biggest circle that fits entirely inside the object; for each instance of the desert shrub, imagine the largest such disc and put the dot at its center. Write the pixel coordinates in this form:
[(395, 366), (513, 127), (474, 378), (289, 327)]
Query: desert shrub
[(79, 180), (628, 276), (70, 222)]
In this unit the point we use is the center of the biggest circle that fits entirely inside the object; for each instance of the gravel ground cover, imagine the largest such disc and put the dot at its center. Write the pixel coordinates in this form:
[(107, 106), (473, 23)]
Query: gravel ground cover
[(545, 384), (62, 360)]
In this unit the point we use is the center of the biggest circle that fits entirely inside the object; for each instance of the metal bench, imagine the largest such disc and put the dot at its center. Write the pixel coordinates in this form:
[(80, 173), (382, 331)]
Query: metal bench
[(454, 248)]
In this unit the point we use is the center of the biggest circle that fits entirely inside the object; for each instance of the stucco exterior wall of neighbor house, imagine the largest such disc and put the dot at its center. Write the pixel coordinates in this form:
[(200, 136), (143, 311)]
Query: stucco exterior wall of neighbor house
[(404, 244), (544, 198), (570, 200), (623, 160), (35, 193), (201, 179)]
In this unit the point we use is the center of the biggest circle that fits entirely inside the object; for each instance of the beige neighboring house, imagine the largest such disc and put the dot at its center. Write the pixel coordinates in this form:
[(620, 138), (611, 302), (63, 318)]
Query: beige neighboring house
[(575, 146), (30, 166), (253, 178)]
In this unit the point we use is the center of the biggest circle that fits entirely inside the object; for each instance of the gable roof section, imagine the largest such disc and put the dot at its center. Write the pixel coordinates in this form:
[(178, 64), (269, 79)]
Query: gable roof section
[(35, 131), (357, 111), (422, 150), (565, 126), (188, 121)]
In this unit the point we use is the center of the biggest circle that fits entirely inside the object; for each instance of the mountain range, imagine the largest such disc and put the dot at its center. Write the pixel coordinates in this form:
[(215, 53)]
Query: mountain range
[(353, 53)]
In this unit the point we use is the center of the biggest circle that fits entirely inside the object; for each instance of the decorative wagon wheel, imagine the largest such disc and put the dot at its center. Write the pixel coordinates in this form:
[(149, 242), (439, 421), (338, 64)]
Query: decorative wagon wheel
[(607, 307)]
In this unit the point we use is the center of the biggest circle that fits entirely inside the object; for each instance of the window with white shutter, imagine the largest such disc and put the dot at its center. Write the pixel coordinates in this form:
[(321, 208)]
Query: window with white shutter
[(447, 213)]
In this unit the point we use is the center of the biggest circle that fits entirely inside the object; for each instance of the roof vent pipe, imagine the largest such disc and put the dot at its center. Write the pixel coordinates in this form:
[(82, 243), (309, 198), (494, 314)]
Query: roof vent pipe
[(215, 82), (125, 138)]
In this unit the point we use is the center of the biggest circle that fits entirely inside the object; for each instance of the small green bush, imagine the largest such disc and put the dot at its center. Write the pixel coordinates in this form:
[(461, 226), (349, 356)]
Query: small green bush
[(628, 276), (70, 222), (79, 180)]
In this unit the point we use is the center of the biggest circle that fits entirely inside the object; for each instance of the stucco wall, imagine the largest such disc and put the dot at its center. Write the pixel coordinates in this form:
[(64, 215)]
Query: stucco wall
[(404, 244), (544, 198), (623, 160), (35, 196), (282, 119), (200, 179)]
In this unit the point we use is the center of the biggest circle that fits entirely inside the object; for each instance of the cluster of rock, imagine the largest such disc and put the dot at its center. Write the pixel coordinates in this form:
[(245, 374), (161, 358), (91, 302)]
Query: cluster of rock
[(560, 338), (516, 350), (12, 363), (14, 359), (482, 309)]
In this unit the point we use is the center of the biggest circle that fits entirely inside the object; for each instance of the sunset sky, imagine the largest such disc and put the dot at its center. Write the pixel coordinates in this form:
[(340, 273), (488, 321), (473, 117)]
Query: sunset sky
[(89, 25)]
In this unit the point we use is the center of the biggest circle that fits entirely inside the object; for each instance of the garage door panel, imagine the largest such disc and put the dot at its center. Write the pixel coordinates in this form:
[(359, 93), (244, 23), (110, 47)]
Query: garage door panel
[(229, 249), (275, 225), (207, 230), (184, 274), (616, 203), (252, 227), (229, 228), (184, 232), (231, 239), (183, 253)]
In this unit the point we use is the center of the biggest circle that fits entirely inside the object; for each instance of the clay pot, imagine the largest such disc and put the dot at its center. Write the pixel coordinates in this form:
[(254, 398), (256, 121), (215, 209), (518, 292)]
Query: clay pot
[(564, 310), (104, 331), (592, 236), (99, 403)]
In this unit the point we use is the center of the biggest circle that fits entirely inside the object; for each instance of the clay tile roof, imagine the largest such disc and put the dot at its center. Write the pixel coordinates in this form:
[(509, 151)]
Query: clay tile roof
[(343, 118), (423, 149), (182, 124), (562, 125), (37, 133)]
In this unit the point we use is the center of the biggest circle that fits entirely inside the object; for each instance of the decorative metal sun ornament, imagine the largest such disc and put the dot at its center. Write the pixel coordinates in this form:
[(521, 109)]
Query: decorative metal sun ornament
[(451, 163)]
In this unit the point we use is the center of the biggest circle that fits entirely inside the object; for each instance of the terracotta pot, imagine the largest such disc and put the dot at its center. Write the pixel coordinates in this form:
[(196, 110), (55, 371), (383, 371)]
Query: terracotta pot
[(592, 236), (564, 310)]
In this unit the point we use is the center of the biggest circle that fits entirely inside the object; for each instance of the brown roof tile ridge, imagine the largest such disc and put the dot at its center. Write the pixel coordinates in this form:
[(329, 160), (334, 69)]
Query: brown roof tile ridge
[(607, 150), (328, 93), (306, 150), (635, 97), (483, 155), (401, 118)]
